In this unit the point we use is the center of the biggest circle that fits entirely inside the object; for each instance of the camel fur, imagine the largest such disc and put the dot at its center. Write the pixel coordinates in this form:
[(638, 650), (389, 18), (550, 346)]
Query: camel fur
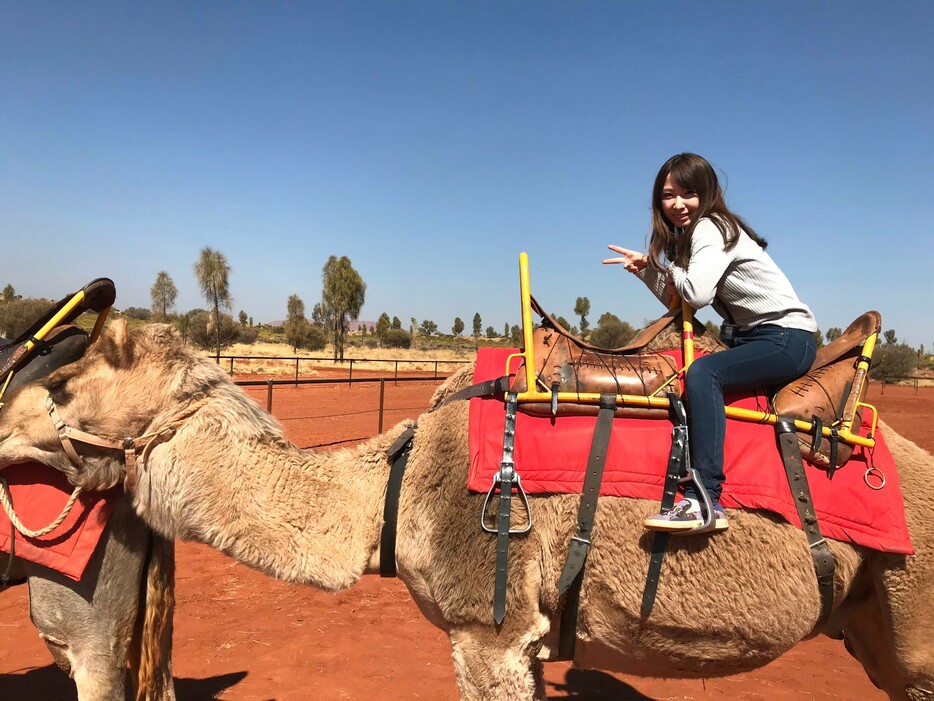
[(726, 603)]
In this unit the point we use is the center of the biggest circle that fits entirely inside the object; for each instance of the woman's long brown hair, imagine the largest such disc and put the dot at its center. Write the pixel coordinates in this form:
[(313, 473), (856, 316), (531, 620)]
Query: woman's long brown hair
[(695, 174)]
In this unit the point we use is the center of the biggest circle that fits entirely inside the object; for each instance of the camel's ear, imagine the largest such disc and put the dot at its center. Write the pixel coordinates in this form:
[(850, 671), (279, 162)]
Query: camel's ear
[(114, 345)]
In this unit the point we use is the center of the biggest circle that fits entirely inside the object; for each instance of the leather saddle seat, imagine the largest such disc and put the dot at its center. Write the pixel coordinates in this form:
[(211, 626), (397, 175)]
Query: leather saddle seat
[(61, 346), (564, 363)]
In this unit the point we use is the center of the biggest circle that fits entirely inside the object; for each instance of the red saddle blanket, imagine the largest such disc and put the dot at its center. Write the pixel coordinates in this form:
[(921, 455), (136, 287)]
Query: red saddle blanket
[(39, 494), (551, 457)]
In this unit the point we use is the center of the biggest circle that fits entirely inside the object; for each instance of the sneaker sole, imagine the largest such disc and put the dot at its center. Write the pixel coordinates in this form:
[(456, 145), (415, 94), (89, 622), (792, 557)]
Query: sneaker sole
[(684, 528)]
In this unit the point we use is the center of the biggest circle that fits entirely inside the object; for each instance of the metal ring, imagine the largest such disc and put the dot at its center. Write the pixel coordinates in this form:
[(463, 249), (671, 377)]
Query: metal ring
[(874, 471)]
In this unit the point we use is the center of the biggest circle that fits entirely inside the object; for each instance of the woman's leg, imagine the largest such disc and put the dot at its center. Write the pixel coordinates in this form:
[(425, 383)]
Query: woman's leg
[(765, 356)]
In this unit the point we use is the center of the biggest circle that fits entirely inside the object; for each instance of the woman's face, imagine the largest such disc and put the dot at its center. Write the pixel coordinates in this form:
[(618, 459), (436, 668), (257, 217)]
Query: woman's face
[(678, 204)]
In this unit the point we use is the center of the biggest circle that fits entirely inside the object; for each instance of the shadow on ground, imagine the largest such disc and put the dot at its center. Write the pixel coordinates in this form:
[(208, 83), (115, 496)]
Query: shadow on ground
[(591, 685), (51, 684)]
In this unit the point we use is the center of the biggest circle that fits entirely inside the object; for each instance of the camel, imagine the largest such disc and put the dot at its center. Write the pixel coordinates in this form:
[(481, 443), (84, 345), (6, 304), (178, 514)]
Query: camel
[(118, 614), (227, 477)]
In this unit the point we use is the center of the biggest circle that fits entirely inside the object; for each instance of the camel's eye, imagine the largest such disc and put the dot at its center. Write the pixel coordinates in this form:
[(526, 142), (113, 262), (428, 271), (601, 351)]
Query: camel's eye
[(58, 390)]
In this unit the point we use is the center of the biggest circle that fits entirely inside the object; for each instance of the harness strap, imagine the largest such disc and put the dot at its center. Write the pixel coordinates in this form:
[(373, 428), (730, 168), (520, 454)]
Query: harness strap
[(824, 564), (573, 573), (676, 468), (499, 385), (507, 475), (398, 454)]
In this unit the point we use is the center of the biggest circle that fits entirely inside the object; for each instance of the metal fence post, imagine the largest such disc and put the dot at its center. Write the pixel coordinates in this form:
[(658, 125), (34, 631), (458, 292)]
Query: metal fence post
[(269, 396), (382, 393), (350, 378), (296, 372)]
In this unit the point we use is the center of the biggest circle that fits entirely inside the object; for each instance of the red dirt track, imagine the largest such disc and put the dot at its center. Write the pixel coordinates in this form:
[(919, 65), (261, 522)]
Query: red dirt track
[(240, 636)]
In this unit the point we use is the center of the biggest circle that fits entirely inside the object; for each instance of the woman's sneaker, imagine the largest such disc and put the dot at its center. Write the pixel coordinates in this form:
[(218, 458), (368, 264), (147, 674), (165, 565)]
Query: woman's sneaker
[(685, 516)]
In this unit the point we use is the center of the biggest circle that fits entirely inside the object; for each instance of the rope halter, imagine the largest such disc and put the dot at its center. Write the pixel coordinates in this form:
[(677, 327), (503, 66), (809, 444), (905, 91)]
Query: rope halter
[(136, 451)]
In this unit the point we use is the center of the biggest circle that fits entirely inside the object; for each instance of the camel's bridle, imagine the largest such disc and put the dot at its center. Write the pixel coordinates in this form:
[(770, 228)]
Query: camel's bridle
[(136, 451)]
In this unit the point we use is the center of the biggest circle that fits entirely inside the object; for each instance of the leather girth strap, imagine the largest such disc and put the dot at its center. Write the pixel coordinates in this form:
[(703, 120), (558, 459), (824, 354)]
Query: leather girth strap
[(573, 573), (398, 455), (824, 564), (677, 467)]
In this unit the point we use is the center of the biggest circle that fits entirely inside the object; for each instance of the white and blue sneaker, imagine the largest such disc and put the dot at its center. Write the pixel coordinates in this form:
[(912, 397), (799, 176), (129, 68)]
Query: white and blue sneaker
[(685, 516)]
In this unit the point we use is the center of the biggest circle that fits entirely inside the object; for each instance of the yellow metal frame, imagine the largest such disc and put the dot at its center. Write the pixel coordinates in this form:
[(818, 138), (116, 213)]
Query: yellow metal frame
[(843, 429), (76, 301)]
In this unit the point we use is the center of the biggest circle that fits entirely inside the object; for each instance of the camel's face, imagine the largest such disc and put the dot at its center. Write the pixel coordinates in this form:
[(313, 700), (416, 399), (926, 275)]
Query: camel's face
[(115, 391), (26, 431)]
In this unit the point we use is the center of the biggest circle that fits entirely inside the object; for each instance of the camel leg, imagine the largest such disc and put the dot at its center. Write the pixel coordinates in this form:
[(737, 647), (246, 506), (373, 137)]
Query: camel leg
[(486, 671)]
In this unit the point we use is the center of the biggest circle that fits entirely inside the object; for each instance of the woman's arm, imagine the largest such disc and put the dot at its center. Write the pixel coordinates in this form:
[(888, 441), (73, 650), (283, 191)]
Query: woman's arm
[(697, 284)]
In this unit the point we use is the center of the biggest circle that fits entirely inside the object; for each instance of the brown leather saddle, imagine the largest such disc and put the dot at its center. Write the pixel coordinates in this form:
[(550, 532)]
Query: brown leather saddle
[(825, 396)]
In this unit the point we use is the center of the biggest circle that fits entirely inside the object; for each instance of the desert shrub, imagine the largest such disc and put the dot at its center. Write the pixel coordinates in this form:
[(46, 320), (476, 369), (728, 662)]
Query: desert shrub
[(398, 338), (315, 338), (20, 314), (612, 332), (137, 313), (248, 335), (201, 330), (893, 360)]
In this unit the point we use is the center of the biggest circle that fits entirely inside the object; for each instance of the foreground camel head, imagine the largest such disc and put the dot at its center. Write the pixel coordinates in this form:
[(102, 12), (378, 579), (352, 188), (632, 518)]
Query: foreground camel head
[(123, 387)]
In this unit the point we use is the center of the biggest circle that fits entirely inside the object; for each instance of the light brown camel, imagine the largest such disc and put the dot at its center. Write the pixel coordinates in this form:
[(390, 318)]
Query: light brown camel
[(229, 478), (118, 615)]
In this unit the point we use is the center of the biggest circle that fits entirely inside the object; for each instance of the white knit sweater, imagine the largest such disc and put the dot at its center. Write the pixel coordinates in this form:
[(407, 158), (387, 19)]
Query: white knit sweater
[(744, 285)]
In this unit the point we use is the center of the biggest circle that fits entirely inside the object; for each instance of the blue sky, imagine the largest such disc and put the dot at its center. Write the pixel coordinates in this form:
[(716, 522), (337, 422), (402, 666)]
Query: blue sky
[(431, 142)]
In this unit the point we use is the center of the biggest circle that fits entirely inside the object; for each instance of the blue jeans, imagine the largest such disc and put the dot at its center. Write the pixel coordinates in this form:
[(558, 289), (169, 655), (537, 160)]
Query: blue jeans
[(763, 357)]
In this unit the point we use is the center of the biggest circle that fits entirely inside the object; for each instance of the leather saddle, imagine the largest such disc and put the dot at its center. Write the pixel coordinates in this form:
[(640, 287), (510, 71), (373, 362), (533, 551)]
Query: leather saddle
[(826, 395)]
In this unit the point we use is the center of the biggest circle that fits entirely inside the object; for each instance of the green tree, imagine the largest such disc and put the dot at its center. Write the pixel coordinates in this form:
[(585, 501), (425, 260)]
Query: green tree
[(383, 325), (612, 332), (515, 336), (398, 338), (428, 327), (213, 273), (9, 294), (833, 333), (477, 325), (819, 337), (490, 332), (897, 361), (208, 331), (890, 336), (506, 330), (20, 314), (396, 323), (163, 294), (342, 297), (582, 309), (296, 325), (712, 329), (458, 327), (243, 318)]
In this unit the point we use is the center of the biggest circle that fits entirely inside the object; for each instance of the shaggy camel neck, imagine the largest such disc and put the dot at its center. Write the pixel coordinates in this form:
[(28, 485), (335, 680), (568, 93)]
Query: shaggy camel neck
[(301, 516)]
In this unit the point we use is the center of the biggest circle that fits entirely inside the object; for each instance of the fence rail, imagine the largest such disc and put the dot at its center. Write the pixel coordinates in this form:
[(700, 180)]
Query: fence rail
[(297, 360), (270, 384)]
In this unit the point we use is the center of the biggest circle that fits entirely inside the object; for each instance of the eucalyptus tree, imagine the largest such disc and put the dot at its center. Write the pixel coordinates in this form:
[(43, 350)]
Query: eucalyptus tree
[(213, 273), (342, 298), (163, 294)]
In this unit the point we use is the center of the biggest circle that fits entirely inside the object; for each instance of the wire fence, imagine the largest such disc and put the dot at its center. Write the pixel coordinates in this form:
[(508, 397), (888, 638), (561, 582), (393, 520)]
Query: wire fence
[(297, 366)]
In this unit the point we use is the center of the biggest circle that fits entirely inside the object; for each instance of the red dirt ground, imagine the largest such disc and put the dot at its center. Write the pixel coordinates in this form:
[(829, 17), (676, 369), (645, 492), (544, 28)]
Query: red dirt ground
[(240, 636)]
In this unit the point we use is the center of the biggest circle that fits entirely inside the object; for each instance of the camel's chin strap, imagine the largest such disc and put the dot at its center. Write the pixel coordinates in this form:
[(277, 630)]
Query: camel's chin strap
[(135, 450)]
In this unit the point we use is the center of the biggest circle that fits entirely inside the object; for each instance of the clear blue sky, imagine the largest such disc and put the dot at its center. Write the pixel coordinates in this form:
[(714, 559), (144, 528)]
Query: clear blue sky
[(431, 142)]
